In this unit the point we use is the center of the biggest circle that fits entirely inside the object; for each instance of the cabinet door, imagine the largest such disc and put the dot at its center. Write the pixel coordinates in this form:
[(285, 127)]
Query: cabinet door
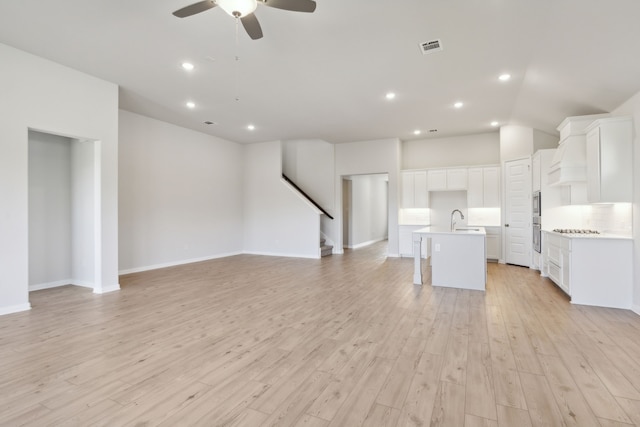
[(407, 190), (475, 188), (536, 173), (437, 179), (593, 166), (420, 191), (456, 179), (491, 187)]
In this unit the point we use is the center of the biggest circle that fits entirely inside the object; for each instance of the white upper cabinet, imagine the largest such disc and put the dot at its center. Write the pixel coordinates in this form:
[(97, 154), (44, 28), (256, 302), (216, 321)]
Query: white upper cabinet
[(483, 189), (447, 179), (609, 161), (414, 189), (437, 179)]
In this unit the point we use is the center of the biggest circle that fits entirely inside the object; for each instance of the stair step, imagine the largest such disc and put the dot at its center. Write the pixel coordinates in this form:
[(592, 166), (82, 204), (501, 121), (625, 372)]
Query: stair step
[(326, 250)]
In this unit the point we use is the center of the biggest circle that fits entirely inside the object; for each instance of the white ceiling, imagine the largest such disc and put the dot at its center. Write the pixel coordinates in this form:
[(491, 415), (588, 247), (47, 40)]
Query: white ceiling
[(324, 75)]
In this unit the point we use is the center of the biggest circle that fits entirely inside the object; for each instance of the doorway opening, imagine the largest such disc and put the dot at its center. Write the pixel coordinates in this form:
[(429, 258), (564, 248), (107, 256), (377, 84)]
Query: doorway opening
[(365, 210), (63, 211)]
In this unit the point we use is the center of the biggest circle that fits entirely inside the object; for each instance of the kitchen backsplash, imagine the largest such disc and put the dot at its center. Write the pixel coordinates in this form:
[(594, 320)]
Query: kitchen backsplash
[(614, 218)]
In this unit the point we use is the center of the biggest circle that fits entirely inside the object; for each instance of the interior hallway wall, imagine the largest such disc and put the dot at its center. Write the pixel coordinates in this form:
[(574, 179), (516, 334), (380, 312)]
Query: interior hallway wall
[(41, 95), (49, 210), (366, 158), (181, 195), (368, 214), (632, 108)]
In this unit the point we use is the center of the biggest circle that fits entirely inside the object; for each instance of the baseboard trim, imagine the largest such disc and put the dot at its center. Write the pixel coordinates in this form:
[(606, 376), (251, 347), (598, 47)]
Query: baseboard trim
[(636, 309), (363, 244), (14, 308), (282, 254), (175, 263), (107, 289), (58, 283), (49, 285)]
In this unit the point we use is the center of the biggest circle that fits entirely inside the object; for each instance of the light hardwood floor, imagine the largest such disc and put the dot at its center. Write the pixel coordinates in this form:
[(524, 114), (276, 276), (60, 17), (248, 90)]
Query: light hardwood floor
[(342, 341)]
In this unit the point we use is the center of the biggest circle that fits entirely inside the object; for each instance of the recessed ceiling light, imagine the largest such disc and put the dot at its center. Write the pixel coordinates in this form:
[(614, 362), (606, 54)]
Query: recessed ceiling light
[(417, 132), (504, 77), (251, 127), (494, 124), (188, 66), (458, 104), (191, 104), (390, 96)]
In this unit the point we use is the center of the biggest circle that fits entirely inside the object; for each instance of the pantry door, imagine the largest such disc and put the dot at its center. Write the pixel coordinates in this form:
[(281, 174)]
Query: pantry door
[(517, 225)]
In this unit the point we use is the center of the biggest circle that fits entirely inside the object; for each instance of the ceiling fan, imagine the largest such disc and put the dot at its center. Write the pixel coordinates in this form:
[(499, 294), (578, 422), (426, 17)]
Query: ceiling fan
[(243, 10)]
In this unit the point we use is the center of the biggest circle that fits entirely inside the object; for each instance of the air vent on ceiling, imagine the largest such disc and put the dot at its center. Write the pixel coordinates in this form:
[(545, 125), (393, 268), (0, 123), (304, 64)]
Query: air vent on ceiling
[(431, 47)]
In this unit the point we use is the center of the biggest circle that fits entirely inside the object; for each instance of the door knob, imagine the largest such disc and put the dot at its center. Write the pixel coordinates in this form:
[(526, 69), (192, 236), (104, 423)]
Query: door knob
[(506, 225)]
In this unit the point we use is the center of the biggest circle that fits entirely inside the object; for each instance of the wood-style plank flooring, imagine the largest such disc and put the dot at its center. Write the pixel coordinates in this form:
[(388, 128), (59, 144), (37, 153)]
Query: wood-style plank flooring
[(342, 341)]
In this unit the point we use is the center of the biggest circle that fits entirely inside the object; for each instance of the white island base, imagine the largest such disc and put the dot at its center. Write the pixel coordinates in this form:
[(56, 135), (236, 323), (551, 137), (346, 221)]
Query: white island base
[(458, 258)]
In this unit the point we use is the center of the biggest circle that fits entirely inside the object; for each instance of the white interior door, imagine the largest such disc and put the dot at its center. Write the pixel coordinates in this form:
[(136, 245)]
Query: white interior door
[(518, 212)]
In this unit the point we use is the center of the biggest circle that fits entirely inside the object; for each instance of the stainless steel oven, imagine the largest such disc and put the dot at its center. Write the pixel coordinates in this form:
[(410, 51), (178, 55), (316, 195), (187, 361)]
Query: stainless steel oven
[(537, 234), (537, 204)]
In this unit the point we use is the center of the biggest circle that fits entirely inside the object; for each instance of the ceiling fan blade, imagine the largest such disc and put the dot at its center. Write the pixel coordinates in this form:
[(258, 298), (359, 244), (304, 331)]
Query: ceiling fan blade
[(293, 5), (192, 9), (252, 26)]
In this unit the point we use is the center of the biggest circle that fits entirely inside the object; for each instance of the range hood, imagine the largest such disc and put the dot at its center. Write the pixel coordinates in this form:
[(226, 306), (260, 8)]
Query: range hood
[(569, 164)]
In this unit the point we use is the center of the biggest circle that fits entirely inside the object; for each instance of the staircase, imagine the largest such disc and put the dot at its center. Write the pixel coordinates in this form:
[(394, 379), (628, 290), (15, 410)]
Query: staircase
[(325, 250)]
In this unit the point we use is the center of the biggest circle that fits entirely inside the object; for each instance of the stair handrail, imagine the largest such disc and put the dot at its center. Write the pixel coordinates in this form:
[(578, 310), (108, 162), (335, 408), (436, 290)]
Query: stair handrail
[(306, 196)]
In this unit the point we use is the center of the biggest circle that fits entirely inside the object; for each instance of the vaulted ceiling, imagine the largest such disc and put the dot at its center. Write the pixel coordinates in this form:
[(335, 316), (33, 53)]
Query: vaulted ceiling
[(325, 75)]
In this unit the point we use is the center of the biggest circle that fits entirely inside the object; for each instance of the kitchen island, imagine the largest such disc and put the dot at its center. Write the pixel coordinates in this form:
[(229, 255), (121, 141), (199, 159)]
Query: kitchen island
[(458, 258)]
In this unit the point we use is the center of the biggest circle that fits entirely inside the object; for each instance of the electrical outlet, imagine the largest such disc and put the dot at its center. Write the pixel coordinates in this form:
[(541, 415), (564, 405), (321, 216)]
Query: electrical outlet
[(437, 247)]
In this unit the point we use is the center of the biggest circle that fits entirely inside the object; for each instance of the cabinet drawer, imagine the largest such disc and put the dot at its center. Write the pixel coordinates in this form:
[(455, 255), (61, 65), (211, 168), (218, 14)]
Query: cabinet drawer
[(555, 273), (554, 254)]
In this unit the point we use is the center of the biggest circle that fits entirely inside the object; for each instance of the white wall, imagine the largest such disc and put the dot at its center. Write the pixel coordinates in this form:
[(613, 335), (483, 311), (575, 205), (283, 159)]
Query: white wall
[(49, 210), (311, 165), (277, 220), (479, 149), (83, 208), (442, 203), (180, 195), (368, 214), (365, 158), (632, 108), (45, 96)]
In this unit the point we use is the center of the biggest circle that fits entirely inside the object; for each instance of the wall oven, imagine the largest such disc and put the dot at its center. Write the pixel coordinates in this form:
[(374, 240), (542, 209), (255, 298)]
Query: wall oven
[(537, 234), (537, 204)]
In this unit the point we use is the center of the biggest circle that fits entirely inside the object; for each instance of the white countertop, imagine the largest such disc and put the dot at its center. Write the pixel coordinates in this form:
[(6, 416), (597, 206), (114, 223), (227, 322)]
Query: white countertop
[(589, 236), (472, 231)]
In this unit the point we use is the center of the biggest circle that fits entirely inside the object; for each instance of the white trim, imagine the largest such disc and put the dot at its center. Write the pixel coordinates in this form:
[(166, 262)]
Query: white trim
[(105, 289), (58, 283), (49, 285), (174, 263), (636, 309), (282, 255), (14, 308), (394, 255), (362, 245)]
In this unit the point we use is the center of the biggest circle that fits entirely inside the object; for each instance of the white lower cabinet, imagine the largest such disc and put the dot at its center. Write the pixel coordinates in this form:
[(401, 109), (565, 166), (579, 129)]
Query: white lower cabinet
[(405, 240), (494, 243), (591, 270)]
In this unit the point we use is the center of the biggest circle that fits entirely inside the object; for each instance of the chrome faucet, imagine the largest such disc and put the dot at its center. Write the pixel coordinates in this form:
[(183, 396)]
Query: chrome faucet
[(453, 223)]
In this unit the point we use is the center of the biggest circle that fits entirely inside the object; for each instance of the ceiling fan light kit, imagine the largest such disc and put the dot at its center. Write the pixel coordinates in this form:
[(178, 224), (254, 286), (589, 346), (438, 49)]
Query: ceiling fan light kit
[(243, 10), (238, 8)]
